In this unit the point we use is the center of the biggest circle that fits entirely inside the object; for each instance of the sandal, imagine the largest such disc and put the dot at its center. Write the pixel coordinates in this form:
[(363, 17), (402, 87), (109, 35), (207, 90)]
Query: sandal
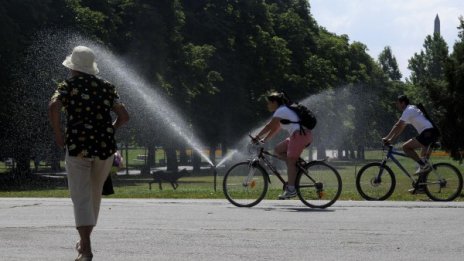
[(78, 247), (80, 257)]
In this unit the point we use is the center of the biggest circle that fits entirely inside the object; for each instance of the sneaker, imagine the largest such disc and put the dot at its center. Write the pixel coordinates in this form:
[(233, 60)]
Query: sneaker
[(423, 170), (288, 194), (419, 190)]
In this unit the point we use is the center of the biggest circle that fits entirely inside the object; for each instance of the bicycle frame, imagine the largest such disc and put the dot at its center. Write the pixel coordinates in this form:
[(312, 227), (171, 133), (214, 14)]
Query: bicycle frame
[(391, 155), (261, 156), (266, 162)]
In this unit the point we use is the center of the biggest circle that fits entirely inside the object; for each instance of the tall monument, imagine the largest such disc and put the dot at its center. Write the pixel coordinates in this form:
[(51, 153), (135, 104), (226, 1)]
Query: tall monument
[(436, 29)]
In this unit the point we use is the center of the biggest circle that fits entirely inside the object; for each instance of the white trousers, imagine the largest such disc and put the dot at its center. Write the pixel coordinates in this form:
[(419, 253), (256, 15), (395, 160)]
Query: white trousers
[(86, 177)]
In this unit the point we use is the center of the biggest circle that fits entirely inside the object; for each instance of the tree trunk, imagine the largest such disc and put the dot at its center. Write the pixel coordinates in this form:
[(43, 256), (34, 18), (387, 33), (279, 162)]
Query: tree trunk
[(361, 155), (151, 157), (352, 154), (23, 161), (171, 160), (321, 153), (55, 159), (196, 162), (183, 158)]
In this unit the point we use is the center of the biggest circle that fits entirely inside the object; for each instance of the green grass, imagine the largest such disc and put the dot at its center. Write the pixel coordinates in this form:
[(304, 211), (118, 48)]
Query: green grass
[(201, 187)]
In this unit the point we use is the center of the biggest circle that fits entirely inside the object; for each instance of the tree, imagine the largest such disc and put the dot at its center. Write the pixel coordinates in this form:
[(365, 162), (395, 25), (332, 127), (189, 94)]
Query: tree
[(389, 64), (427, 69), (429, 63), (21, 100), (448, 99)]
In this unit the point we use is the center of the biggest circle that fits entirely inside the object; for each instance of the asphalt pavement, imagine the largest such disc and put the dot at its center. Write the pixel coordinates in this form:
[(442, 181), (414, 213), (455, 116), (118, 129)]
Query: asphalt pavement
[(169, 229)]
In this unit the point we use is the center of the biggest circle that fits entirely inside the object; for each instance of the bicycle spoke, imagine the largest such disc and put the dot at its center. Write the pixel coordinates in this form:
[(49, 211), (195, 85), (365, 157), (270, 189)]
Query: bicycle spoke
[(375, 182), (245, 185), (320, 186), (444, 182)]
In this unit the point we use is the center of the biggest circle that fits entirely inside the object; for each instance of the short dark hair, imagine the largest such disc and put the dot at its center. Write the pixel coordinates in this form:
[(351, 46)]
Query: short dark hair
[(403, 98)]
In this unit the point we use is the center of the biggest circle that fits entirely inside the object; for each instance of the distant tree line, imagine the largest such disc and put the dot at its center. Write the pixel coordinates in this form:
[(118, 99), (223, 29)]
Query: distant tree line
[(216, 59)]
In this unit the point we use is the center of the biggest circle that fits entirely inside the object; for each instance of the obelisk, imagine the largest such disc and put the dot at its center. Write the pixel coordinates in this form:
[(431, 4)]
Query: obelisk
[(436, 29)]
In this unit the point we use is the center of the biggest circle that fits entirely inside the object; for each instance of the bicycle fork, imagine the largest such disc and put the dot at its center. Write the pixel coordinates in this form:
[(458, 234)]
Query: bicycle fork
[(378, 179), (251, 173)]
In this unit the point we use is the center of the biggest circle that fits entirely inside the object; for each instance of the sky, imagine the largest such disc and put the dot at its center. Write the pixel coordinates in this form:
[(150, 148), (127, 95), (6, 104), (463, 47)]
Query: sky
[(400, 24)]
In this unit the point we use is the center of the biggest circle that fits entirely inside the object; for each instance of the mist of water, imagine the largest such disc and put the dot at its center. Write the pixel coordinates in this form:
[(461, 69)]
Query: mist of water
[(118, 71), (44, 63), (146, 100), (327, 106)]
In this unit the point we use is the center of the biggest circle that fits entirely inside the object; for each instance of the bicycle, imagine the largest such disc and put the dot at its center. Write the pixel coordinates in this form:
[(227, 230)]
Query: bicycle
[(376, 181), (245, 184)]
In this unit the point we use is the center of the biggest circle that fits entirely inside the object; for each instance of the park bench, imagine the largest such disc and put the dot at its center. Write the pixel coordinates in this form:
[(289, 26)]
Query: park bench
[(160, 176)]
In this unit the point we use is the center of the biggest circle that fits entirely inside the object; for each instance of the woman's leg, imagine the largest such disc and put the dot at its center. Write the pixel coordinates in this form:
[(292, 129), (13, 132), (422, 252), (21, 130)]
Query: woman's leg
[(85, 246), (85, 179), (281, 149), (100, 171), (79, 181), (291, 170), (296, 145)]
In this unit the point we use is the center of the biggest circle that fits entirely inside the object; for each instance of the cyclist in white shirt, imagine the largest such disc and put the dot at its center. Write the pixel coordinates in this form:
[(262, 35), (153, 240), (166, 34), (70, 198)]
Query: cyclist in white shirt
[(427, 133), (291, 148)]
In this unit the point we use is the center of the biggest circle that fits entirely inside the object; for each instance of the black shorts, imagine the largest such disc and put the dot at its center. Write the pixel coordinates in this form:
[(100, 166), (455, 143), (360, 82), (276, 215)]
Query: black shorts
[(428, 136)]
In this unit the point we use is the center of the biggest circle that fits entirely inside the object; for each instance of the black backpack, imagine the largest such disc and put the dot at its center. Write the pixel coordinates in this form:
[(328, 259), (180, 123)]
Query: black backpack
[(307, 117)]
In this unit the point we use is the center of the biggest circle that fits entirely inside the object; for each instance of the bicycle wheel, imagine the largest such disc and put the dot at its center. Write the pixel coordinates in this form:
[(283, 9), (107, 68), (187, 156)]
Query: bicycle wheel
[(320, 186), (375, 182), (443, 183), (245, 184)]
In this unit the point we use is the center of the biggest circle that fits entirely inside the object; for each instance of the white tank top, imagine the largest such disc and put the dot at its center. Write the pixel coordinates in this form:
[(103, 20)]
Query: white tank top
[(283, 112)]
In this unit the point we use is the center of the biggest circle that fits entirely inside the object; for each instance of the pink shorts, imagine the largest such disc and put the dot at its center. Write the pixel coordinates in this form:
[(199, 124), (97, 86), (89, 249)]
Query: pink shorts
[(296, 143)]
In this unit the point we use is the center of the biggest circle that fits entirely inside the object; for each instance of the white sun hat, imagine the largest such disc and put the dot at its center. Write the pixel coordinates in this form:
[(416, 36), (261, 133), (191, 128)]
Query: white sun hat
[(82, 59)]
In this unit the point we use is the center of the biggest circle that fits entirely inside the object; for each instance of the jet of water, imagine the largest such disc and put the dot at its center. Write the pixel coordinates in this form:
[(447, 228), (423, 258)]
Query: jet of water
[(129, 81)]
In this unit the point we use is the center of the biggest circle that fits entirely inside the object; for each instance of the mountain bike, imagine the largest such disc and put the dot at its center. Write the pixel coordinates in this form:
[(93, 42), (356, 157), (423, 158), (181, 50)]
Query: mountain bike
[(245, 184), (376, 181)]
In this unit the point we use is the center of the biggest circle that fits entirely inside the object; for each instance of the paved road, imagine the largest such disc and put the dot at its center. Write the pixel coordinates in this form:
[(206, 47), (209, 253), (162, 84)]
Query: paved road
[(42, 229)]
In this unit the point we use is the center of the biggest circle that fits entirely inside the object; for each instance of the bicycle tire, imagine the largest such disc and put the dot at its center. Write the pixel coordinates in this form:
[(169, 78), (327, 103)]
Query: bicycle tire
[(368, 185), (242, 192), (320, 187), (443, 183)]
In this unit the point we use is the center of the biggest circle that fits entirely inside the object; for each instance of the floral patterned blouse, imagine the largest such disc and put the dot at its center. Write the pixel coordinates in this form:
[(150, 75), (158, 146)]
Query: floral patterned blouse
[(87, 102)]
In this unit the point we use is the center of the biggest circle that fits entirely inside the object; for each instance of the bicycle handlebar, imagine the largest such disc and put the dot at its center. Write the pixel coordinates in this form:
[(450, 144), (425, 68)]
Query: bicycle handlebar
[(255, 141)]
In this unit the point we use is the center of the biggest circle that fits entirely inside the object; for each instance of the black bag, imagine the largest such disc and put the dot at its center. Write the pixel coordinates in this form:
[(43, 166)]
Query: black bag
[(426, 115), (108, 186), (307, 117)]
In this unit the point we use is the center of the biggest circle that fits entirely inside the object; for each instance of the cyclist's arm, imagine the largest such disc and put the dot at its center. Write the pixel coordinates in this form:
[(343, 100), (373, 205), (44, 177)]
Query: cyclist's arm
[(395, 131), (270, 129)]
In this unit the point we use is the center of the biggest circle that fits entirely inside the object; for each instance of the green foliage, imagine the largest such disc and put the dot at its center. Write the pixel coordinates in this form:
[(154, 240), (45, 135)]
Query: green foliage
[(389, 64), (449, 97), (215, 59), (429, 63)]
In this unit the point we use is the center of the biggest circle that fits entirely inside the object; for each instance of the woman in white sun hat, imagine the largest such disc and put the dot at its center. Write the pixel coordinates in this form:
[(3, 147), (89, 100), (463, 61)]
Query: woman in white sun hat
[(89, 137)]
